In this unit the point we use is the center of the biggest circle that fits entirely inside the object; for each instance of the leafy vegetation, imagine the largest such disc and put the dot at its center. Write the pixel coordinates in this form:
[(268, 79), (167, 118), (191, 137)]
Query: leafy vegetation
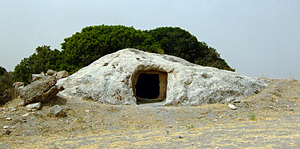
[(252, 117), (41, 61), (93, 42), (178, 42), (96, 41), (6, 85)]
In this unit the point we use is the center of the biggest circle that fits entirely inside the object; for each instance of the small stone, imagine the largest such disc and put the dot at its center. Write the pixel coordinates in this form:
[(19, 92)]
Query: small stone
[(237, 101), (168, 132), (61, 74), (179, 136), (34, 106), (50, 72), (200, 116), (57, 111), (7, 132), (291, 109), (36, 77), (232, 107), (8, 119), (25, 115), (5, 127), (87, 111), (215, 120), (170, 126), (22, 103), (23, 119)]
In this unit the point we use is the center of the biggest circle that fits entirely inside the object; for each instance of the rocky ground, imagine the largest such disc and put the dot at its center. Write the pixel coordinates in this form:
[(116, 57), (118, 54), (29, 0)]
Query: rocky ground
[(270, 119)]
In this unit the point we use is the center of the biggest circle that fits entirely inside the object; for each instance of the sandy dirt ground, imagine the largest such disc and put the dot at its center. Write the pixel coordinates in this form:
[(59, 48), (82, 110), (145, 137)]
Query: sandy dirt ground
[(269, 119)]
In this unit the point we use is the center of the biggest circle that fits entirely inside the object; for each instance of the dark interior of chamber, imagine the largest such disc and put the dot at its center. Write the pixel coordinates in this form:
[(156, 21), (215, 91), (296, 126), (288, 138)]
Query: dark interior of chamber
[(147, 86)]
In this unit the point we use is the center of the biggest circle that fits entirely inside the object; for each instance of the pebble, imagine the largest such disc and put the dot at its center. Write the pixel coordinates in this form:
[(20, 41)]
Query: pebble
[(23, 119), (168, 132), (25, 115), (57, 111), (21, 103), (200, 116), (5, 127), (8, 119), (291, 109), (7, 132), (179, 136), (232, 107), (237, 101)]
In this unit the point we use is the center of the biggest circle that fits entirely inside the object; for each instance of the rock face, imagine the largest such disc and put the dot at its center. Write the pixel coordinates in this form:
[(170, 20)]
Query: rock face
[(131, 76), (41, 90)]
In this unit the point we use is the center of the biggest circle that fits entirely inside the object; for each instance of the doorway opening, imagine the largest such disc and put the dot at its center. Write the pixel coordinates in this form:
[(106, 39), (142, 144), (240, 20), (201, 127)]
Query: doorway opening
[(150, 86)]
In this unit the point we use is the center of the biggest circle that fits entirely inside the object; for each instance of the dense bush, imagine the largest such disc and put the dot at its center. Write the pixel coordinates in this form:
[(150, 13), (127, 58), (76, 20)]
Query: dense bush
[(41, 61), (6, 86), (93, 42), (96, 41), (178, 42)]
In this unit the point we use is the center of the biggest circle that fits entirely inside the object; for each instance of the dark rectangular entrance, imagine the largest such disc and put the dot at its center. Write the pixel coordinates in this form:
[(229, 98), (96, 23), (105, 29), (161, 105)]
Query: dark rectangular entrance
[(150, 86), (147, 86)]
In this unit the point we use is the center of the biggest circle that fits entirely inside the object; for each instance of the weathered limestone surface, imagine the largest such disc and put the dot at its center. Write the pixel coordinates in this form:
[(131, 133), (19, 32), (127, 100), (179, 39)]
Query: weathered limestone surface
[(41, 90), (110, 80)]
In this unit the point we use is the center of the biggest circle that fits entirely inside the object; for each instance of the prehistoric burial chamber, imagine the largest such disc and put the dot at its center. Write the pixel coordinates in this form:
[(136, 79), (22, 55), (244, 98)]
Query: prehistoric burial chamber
[(131, 76)]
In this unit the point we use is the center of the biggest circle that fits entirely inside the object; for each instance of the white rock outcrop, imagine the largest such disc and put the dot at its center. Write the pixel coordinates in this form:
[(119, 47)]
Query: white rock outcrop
[(114, 79)]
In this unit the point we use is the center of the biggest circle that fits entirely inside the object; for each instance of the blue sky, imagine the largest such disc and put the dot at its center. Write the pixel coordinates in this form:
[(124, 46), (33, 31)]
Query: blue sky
[(256, 37)]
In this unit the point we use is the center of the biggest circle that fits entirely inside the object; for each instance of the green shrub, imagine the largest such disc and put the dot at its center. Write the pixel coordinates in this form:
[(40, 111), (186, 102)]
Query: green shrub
[(6, 87), (93, 42)]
